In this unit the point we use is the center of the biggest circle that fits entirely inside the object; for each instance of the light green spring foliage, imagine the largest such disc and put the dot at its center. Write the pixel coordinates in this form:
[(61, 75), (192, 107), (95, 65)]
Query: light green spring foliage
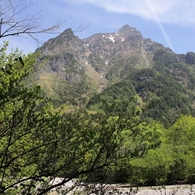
[(173, 160), (182, 135), (26, 127), (37, 142), (152, 168), (181, 144)]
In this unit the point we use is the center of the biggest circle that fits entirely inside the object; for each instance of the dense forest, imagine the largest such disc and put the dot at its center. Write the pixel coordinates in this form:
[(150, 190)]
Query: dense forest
[(93, 111), (162, 98), (115, 140)]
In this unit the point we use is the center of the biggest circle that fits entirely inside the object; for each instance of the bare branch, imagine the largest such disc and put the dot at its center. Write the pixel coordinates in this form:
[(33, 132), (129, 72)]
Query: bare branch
[(81, 27), (13, 24)]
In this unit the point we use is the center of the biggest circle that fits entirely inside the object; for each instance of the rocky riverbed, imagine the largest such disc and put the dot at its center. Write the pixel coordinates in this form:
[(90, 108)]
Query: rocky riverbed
[(125, 190), (162, 190)]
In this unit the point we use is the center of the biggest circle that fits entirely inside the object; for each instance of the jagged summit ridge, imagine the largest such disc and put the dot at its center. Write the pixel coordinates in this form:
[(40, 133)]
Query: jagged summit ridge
[(96, 62), (124, 34), (67, 35), (66, 41), (100, 51), (108, 48), (128, 30)]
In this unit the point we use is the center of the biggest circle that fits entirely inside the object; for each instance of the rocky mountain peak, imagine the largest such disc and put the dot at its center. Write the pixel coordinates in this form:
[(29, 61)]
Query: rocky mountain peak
[(92, 64), (67, 34), (108, 48), (129, 31), (126, 28), (64, 42)]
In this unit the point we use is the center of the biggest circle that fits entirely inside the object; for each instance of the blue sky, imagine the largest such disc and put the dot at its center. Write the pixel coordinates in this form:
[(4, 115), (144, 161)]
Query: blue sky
[(169, 22)]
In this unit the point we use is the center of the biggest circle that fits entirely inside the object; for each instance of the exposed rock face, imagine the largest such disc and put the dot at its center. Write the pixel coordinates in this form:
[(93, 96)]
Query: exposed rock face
[(100, 51), (107, 48), (71, 65), (63, 51)]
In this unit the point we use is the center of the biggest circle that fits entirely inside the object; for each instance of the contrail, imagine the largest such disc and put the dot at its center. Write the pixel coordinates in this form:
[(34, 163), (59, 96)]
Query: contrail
[(160, 26)]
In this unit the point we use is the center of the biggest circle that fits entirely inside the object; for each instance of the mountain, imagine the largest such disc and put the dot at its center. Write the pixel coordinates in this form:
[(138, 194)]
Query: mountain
[(113, 54), (93, 63), (117, 66), (64, 73)]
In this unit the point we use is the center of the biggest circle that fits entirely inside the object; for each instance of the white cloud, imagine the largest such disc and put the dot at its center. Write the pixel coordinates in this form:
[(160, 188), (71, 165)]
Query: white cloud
[(157, 19), (169, 11)]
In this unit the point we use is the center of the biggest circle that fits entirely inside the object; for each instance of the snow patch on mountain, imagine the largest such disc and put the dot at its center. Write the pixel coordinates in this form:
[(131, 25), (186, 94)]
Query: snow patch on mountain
[(111, 38)]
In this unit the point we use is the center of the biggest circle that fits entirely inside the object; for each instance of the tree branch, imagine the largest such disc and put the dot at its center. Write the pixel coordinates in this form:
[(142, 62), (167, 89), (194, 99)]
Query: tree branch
[(12, 24)]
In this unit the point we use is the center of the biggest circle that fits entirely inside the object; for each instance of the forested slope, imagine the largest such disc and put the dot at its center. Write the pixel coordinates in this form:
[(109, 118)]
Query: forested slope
[(121, 80), (164, 91)]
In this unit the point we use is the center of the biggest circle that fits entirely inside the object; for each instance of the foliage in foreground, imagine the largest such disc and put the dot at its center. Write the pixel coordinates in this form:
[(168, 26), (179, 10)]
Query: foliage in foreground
[(38, 143)]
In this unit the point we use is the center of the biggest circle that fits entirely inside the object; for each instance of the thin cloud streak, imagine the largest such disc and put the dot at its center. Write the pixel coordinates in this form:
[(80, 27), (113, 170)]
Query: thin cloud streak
[(172, 11), (157, 19)]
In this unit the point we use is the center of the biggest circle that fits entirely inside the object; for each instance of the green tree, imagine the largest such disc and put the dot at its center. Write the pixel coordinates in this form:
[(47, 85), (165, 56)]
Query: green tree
[(27, 125), (135, 140), (39, 144), (151, 167), (180, 139)]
